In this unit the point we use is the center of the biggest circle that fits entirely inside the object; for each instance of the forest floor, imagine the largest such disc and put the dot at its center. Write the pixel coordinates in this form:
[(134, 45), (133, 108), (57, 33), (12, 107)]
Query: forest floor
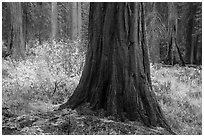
[(70, 122), (31, 93)]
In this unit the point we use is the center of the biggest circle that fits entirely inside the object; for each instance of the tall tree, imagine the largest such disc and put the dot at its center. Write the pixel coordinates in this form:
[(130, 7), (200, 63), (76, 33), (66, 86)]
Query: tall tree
[(17, 37), (155, 45), (76, 20), (25, 23), (116, 75), (155, 32), (193, 32), (172, 29), (40, 22), (6, 27), (54, 20), (174, 53), (198, 34)]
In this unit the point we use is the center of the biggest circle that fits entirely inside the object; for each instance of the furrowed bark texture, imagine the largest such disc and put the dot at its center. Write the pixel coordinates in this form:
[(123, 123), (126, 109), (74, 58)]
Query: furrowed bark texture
[(116, 75)]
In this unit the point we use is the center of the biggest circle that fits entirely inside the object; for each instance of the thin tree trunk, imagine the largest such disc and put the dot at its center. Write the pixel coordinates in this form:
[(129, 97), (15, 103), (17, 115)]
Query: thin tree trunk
[(189, 41), (76, 20), (69, 21), (79, 20), (25, 26), (54, 20), (154, 43), (40, 28), (174, 54), (10, 40), (172, 31), (199, 50), (189, 37), (194, 49), (116, 75)]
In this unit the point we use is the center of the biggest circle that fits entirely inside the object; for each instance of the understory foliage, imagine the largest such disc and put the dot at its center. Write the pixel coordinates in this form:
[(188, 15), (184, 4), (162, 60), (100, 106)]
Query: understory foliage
[(179, 92), (31, 89), (49, 74)]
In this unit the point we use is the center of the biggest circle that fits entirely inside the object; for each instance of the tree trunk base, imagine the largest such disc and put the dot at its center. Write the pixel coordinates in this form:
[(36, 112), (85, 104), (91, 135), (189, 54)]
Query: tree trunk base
[(116, 75)]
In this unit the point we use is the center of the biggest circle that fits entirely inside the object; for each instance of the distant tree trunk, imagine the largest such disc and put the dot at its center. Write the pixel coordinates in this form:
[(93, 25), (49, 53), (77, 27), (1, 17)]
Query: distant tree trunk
[(193, 49), (54, 20), (18, 46), (189, 41), (172, 22), (190, 25), (155, 47), (198, 34), (10, 40), (198, 54), (174, 53), (40, 27), (79, 20), (25, 24), (69, 22), (116, 75), (76, 20)]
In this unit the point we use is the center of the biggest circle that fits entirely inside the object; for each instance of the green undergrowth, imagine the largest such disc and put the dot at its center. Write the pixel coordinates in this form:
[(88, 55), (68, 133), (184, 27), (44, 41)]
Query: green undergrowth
[(33, 88)]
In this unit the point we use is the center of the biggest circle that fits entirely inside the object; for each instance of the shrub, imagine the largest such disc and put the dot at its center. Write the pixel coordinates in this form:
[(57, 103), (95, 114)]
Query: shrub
[(179, 91), (50, 75)]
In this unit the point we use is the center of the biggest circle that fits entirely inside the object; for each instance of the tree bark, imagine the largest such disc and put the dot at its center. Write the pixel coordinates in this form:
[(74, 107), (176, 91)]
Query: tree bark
[(79, 20), (76, 20), (18, 46), (40, 22), (190, 25), (172, 29), (198, 54), (54, 20), (154, 42), (174, 54), (25, 24), (116, 75)]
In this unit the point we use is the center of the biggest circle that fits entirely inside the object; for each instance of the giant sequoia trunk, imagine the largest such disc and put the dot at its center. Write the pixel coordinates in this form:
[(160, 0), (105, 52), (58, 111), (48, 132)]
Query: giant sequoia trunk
[(116, 75)]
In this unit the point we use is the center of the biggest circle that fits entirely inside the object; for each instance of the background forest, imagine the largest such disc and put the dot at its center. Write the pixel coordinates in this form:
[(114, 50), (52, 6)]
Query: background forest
[(44, 46)]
